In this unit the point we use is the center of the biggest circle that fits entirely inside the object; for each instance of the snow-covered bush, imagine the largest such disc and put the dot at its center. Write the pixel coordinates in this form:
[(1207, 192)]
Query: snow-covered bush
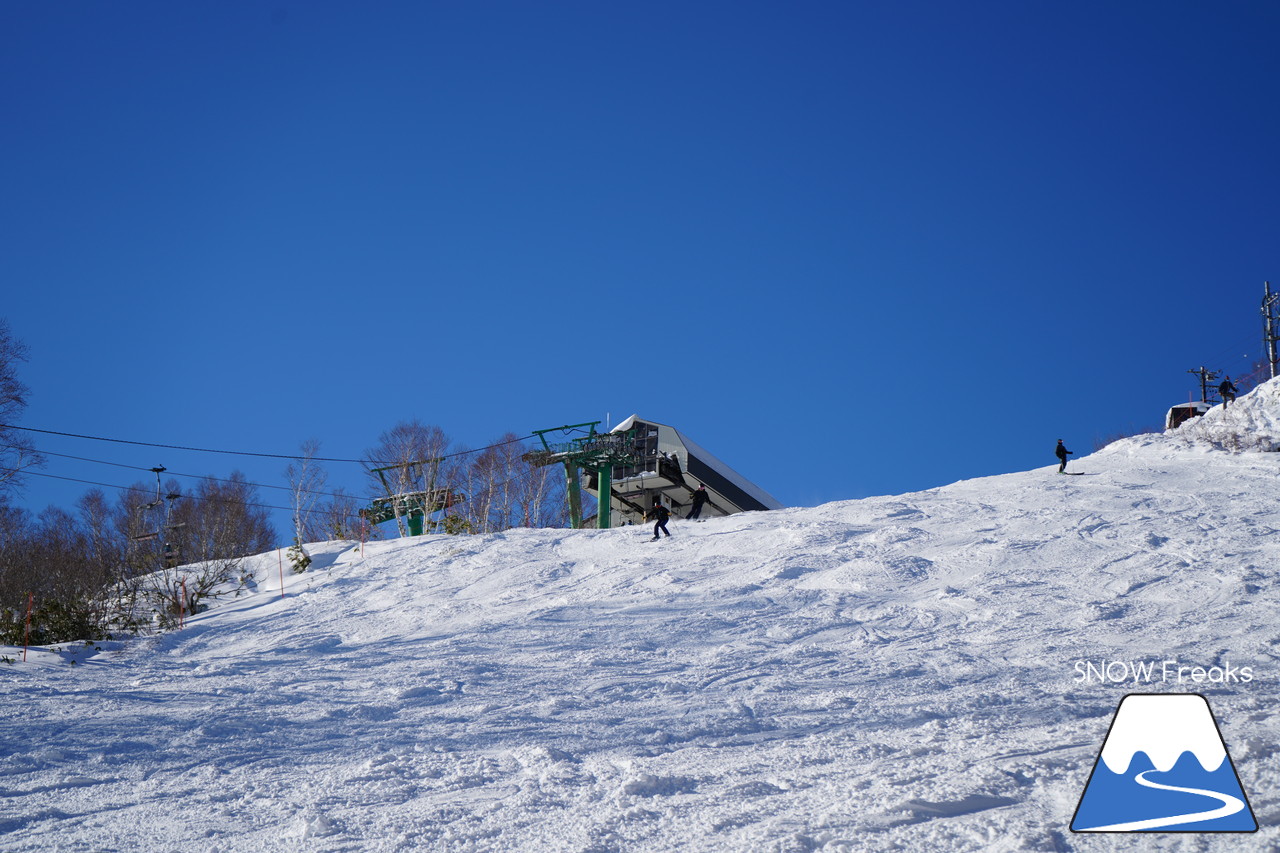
[(298, 557)]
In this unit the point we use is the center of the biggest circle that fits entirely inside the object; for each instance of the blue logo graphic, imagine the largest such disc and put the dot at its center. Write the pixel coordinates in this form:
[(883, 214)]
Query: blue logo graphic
[(1164, 768)]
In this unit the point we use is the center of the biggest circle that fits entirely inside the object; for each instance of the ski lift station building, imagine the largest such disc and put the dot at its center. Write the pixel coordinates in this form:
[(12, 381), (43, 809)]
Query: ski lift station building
[(1184, 412), (670, 466)]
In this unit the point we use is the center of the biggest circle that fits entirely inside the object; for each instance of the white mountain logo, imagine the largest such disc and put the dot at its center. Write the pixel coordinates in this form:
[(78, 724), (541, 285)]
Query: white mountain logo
[(1164, 767)]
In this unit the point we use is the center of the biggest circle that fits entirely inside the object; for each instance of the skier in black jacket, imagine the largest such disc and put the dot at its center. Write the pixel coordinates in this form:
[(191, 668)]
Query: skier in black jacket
[(1062, 453), (661, 513), (699, 498), (1228, 391)]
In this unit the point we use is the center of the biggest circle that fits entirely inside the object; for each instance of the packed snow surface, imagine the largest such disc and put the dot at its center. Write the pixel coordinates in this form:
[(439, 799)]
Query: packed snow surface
[(934, 671)]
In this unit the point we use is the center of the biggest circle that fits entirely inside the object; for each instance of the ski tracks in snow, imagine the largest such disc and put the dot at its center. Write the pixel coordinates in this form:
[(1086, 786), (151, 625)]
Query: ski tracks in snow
[(887, 674)]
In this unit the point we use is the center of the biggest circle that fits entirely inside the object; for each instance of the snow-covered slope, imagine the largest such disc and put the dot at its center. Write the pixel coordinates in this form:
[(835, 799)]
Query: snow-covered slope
[(902, 673), (1252, 423)]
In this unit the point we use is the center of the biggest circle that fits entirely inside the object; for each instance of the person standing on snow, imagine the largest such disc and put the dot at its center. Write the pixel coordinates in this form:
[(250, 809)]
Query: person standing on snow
[(1062, 453), (1228, 392), (699, 498), (661, 513)]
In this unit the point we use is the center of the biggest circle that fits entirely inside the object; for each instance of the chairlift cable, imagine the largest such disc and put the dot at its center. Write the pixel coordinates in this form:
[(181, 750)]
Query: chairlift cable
[(190, 476), (292, 456), (148, 490), (194, 497)]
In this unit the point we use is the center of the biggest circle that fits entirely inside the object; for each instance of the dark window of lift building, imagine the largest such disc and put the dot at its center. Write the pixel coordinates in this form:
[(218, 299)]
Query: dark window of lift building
[(646, 449)]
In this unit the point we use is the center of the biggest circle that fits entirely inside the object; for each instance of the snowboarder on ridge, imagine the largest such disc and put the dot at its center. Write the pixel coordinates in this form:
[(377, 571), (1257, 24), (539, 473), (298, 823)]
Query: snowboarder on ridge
[(1061, 452), (1228, 392), (699, 498), (661, 513)]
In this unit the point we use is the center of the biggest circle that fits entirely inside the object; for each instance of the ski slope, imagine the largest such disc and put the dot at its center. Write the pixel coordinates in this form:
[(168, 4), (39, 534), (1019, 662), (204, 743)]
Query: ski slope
[(895, 673)]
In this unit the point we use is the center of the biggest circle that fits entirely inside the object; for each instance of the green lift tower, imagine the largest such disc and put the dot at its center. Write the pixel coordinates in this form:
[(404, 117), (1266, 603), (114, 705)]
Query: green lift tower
[(595, 452)]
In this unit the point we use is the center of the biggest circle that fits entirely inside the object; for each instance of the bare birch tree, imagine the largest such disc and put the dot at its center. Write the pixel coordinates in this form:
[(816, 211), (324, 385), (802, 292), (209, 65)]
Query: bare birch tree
[(540, 492), (500, 468), (17, 452), (306, 480), (336, 518), (507, 491), (413, 454)]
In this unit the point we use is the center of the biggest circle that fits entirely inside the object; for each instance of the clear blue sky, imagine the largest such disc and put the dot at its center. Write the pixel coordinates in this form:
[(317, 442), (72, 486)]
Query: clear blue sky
[(850, 248)]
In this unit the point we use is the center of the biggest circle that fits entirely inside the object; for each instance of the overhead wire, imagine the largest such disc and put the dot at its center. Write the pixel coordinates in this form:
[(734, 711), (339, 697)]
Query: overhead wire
[(1223, 355), (190, 476), (225, 452), (26, 472), (205, 498), (292, 456), (147, 489)]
